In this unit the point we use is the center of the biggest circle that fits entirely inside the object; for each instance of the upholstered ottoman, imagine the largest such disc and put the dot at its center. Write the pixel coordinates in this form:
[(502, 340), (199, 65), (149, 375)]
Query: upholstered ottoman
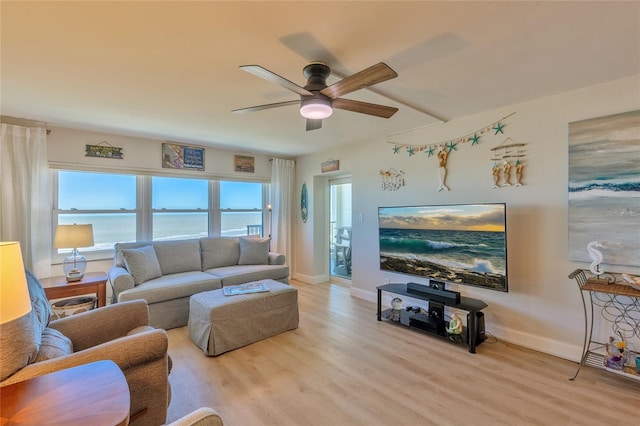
[(219, 323)]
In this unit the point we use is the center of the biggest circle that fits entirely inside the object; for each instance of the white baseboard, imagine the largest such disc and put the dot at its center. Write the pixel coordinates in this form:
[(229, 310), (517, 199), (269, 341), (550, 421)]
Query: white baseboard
[(537, 343), (516, 337), (364, 294), (310, 279)]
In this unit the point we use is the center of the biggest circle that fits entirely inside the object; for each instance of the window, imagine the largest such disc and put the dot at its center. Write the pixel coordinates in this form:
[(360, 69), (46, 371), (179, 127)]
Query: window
[(241, 208), (124, 208), (107, 201), (180, 208)]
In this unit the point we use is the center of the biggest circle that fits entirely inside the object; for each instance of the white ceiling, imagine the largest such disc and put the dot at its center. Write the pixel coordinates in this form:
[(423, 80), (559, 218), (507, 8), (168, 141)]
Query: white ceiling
[(169, 70)]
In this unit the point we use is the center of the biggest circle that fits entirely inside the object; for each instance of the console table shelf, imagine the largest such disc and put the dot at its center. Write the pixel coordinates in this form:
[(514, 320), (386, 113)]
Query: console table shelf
[(473, 306), (619, 304)]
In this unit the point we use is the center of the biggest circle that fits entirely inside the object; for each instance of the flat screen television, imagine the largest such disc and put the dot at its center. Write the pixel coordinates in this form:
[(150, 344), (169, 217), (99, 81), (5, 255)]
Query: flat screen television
[(457, 243)]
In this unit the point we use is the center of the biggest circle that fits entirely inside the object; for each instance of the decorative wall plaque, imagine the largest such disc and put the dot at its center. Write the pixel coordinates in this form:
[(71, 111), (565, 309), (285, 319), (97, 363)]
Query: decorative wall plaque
[(330, 166), (175, 156), (103, 150), (244, 163)]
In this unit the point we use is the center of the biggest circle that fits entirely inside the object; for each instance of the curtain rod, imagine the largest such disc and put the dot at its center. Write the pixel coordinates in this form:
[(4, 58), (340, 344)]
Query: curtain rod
[(24, 122)]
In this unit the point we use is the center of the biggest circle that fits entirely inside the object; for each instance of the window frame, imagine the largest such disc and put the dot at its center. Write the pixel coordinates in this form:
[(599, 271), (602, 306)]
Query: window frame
[(149, 181), (144, 211)]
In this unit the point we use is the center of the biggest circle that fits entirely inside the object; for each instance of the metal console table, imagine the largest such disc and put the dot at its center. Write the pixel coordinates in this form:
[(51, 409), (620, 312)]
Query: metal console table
[(619, 304)]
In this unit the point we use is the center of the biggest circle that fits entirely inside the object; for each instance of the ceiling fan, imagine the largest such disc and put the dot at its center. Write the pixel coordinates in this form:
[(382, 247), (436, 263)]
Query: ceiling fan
[(317, 100)]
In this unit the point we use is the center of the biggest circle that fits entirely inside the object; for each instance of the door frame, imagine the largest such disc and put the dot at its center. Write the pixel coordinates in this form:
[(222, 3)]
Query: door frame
[(335, 180)]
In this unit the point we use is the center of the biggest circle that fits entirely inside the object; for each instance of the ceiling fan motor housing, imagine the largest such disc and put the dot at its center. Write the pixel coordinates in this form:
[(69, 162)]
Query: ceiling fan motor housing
[(316, 74), (318, 106)]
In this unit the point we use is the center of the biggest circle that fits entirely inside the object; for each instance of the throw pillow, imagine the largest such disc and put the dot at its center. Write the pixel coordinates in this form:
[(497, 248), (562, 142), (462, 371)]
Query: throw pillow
[(39, 303), (178, 256), (219, 251), (254, 251), (142, 263)]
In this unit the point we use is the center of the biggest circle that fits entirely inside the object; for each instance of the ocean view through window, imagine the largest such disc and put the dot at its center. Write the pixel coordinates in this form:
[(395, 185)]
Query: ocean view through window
[(177, 208)]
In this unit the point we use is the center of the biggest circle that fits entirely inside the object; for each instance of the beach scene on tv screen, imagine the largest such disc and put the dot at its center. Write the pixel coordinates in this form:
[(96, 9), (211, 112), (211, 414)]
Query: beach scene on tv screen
[(463, 244)]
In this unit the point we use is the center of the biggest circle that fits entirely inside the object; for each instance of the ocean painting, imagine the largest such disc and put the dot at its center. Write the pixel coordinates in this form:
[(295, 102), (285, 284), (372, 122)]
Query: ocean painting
[(604, 188), (463, 244)]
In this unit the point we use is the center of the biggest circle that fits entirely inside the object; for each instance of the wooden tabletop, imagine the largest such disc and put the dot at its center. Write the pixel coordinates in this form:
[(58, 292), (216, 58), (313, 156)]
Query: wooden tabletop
[(90, 394), (603, 286), (92, 282)]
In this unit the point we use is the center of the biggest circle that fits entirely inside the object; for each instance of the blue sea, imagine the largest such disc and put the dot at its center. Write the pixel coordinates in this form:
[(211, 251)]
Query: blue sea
[(468, 250), (113, 228)]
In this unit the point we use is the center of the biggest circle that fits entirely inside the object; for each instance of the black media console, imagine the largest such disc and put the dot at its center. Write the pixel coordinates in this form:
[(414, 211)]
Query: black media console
[(433, 320)]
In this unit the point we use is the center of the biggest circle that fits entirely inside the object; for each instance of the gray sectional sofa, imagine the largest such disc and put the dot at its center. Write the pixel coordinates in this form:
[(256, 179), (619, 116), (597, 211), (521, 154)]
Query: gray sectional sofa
[(167, 273)]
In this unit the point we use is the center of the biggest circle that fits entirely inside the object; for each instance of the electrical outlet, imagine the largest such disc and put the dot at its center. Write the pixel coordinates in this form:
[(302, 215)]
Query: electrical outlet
[(387, 281)]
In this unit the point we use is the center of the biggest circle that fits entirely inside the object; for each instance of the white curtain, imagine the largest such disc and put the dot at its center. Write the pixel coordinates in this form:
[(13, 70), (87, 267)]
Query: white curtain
[(25, 204), (282, 179)]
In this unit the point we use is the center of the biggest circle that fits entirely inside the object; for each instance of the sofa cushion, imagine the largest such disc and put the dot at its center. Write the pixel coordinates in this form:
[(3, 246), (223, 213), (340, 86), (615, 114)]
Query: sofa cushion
[(142, 263), (140, 329), (254, 251), (54, 344), (178, 256), (234, 275), (171, 287), (219, 251)]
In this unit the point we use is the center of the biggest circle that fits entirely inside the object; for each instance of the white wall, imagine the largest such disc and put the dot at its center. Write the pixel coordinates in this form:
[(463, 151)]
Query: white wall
[(542, 309), (66, 150)]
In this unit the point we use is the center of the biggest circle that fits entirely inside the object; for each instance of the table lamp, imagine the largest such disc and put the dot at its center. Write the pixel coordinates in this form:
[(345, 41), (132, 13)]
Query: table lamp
[(14, 293), (74, 236)]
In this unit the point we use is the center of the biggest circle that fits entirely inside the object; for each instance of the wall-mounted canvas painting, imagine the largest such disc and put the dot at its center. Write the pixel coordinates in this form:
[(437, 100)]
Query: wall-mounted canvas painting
[(604, 188), (244, 163), (176, 156)]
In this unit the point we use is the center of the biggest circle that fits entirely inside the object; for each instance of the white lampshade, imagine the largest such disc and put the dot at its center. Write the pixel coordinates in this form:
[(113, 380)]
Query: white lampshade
[(14, 293), (316, 108), (73, 236)]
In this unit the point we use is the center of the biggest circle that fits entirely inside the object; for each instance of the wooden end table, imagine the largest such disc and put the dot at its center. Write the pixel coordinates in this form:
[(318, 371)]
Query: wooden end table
[(92, 282), (89, 394)]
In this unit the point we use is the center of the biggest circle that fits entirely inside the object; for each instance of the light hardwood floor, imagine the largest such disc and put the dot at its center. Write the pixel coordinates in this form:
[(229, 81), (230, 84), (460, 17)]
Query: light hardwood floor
[(342, 367)]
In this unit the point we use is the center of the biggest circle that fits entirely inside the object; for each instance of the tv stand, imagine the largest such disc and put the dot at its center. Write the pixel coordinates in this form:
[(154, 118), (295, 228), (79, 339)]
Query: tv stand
[(429, 322)]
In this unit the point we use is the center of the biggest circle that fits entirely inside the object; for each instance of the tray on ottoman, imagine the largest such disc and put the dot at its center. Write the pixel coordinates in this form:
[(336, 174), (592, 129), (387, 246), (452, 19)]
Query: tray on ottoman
[(219, 323)]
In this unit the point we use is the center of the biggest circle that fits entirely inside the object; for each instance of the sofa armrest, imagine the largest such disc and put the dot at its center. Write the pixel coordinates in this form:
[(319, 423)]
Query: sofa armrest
[(121, 280), (127, 352), (276, 258), (204, 416), (97, 326)]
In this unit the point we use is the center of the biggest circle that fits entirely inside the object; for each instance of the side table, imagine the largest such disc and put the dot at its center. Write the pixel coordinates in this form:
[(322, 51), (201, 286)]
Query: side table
[(89, 394), (92, 282)]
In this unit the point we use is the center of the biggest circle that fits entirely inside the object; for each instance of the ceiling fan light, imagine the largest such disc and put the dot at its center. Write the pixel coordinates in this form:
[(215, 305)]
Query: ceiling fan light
[(316, 108)]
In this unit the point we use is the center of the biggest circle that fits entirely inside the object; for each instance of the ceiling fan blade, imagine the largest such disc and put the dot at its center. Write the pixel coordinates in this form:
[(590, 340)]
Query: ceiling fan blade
[(368, 77), (261, 72), (313, 124), (267, 106), (364, 107)]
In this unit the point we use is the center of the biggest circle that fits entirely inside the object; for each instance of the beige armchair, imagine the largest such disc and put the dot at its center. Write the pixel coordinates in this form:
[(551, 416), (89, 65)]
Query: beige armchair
[(120, 333), (204, 416)]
